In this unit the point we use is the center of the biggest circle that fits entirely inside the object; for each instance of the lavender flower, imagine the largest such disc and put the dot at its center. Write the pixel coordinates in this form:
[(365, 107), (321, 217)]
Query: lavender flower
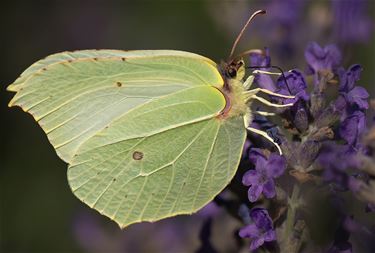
[(318, 58), (259, 59), (261, 230), (294, 84), (300, 116), (352, 127), (355, 96), (261, 180), (336, 161)]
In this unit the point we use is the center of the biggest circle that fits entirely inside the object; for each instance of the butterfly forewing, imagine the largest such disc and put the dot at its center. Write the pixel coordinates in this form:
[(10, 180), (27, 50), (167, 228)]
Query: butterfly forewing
[(140, 130), (75, 95)]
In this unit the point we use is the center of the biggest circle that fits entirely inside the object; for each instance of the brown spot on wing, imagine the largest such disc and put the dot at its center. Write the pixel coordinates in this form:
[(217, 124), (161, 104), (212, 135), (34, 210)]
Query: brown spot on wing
[(137, 155)]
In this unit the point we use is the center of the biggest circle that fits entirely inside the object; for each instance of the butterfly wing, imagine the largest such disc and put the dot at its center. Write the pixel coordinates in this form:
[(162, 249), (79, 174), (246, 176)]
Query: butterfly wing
[(139, 129), (73, 95)]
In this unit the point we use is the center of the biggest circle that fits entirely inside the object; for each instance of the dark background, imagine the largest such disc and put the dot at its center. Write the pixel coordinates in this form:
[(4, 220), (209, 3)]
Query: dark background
[(38, 211)]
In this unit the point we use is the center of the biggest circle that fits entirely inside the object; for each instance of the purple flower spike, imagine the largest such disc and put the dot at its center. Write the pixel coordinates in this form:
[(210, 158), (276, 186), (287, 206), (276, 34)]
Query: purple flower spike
[(261, 180), (336, 161), (296, 85), (261, 230), (259, 59), (354, 95), (358, 96), (318, 58), (262, 60), (349, 78), (352, 127)]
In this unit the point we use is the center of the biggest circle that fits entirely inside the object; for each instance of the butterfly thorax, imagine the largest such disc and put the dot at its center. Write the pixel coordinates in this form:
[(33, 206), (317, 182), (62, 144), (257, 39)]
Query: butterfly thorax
[(233, 89)]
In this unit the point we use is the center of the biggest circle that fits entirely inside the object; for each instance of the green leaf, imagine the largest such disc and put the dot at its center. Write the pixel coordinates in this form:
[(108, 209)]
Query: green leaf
[(140, 130)]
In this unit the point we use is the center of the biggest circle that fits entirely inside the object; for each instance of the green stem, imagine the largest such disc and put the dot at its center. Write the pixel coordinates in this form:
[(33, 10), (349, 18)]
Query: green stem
[(292, 208), (291, 242)]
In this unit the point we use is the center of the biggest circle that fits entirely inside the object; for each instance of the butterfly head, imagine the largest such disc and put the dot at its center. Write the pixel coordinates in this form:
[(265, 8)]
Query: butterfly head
[(234, 69), (233, 90)]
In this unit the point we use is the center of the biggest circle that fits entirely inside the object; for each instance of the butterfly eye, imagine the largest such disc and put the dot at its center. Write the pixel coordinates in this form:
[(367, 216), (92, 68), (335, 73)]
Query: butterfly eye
[(232, 72)]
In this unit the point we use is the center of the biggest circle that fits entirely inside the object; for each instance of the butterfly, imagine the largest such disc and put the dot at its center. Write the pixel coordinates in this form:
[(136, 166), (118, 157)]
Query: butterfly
[(146, 134)]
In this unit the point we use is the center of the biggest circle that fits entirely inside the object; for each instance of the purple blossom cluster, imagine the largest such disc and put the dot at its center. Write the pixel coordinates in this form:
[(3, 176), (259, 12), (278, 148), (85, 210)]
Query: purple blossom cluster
[(326, 145), (261, 179), (260, 230)]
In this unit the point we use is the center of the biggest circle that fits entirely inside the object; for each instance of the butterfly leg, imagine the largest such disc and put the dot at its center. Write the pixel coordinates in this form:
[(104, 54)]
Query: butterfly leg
[(266, 102), (266, 72), (265, 135), (252, 94), (265, 113), (256, 90), (248, 82)]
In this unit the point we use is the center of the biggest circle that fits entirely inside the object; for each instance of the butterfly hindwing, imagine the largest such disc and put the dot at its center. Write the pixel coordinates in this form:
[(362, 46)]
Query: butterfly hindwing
[(147, 178)]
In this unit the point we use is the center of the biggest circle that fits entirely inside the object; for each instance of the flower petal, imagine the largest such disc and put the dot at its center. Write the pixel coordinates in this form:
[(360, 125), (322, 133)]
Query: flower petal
[(250, 231), (358, 96), (319, 58), (254, 192), (261, 164), (265, 82), (276, 165), (251, 177), (270, 236), (256, 243), (349, 78), (260, 58), (254, 154), (269, 189), (261, 218), (352, 127)]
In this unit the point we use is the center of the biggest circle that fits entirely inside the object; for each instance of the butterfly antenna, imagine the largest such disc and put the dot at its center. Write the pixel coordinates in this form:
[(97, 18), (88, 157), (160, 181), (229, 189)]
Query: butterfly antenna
[(243, 30), (274, 67)]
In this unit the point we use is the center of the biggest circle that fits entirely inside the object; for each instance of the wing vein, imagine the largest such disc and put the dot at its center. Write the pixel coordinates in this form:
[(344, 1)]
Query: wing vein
[(179, 193), (57, 146), (96, 165), (206, 164), (135, 202)]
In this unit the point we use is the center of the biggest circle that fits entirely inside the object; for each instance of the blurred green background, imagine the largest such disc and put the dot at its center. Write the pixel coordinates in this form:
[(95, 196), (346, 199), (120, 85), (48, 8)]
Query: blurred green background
[(38, 211)]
